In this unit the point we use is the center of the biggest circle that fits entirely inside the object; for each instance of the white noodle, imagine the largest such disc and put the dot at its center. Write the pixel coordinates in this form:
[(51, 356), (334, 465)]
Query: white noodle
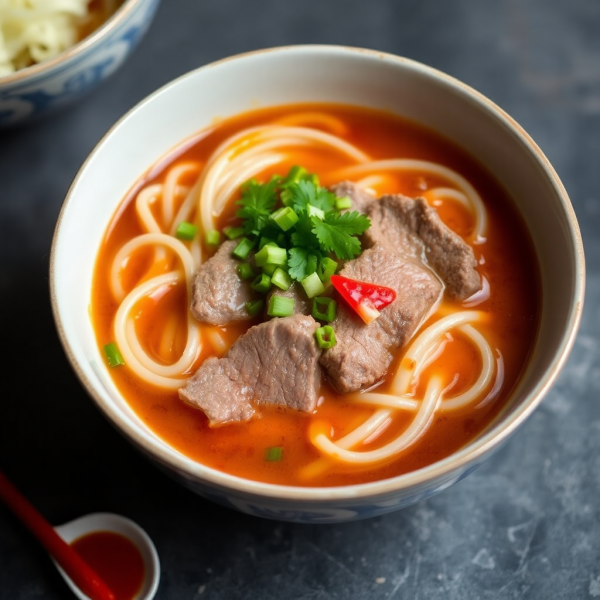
[(236, 160), (405, 164), (228, 163), (413, 432), (32, 31)]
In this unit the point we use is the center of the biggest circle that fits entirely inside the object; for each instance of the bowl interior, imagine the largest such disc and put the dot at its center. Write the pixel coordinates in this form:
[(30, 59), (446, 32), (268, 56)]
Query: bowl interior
[(321, 74)]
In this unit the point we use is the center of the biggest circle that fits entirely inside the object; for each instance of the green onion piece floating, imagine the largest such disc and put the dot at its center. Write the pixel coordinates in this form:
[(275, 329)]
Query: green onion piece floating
[(313, 211), (233, 232), (286, 197), (254, 307), (274, 454), (326, 269), (313, 178), (245, 270), (213, 238), (243, 248), (324, 309), (280, 306), (285, 217), (271, 255), (281, 279), (115, 359), (270, 269), (342, 203), (325, 337), (264, 241), (186, 231), (262, 283), (312, 285), (295, 174)]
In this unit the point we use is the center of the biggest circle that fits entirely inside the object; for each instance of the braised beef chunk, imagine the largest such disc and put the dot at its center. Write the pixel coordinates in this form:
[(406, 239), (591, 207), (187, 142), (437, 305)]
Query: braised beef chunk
[(218, 293), (360, 199), (412, 227), (275, 362), (301, 302), (363, 352)]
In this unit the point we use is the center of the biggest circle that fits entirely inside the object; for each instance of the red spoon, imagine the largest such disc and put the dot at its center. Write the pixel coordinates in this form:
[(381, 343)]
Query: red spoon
[(75, 567)]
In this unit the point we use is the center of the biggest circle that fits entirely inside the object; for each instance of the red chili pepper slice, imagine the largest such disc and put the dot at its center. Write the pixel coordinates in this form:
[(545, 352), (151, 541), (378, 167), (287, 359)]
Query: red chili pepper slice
[(365, 298)]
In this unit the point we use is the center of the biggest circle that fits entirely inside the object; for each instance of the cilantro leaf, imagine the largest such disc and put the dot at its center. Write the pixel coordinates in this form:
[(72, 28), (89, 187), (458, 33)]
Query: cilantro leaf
[(302, 262), (306, 192), (303, 234), (335, 233), (258, 201)]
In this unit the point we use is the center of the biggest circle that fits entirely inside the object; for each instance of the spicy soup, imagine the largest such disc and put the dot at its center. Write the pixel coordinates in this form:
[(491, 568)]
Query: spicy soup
[(508, 306)]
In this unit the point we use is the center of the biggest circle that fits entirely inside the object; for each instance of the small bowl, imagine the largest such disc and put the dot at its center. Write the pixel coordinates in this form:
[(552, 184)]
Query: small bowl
[(318, 74), (41, 88)]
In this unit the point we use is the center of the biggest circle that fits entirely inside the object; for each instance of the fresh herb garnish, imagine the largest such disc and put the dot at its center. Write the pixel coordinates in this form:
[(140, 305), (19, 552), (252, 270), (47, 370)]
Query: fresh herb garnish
[(258, 201), (306, 220)]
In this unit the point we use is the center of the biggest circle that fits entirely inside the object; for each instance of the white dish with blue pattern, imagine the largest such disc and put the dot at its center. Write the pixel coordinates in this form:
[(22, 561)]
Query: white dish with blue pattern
[(37, 90)]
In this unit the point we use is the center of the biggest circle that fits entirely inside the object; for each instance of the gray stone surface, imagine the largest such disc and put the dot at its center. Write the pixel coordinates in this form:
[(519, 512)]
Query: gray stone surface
[(525, 525)]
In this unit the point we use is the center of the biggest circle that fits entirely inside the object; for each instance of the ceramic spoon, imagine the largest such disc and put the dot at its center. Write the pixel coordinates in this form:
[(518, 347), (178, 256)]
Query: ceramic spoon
[(80, 577)]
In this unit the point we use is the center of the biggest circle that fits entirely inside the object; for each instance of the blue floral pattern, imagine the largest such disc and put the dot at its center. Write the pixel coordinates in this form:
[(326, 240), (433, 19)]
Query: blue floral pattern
[(76, 76)]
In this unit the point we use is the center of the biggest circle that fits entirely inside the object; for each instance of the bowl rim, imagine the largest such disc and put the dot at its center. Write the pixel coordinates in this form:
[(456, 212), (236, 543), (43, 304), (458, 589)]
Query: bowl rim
[(80, 47), (445, 468)]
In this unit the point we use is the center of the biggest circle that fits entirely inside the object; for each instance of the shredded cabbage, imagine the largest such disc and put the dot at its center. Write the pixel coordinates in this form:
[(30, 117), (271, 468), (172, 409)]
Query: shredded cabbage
[(32, 31)]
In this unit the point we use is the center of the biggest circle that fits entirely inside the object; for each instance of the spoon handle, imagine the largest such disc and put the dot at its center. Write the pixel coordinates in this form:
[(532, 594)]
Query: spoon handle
[(77, 569)]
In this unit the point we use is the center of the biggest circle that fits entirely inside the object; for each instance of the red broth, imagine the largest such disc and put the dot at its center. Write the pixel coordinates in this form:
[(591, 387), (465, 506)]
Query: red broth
[(506, 259), (115, 559)]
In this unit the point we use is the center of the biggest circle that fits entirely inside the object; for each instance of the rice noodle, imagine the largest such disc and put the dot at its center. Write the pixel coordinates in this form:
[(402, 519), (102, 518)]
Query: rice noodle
[(422, 352), (229, 164), (406, 164), (162, 207), (32, 31)]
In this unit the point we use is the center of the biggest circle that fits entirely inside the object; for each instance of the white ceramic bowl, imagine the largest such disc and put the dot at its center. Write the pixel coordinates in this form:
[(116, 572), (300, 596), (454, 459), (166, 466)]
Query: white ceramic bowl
[(39, 89), (328, 74)]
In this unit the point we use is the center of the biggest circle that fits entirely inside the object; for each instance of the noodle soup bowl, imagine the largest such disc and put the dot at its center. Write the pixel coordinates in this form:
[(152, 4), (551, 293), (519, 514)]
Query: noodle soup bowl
[(318, 74), (38, 90)]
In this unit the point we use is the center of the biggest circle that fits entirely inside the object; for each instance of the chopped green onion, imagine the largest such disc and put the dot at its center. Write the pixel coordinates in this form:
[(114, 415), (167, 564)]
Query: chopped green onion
[(285, 217), (243, 248), (269, 269), (254, 307), (313, 179), (342, 203), (324, 309), (312, 285), (115, 359), (325, 337), (271, 255), (313, 211), (280, 306), (262, 283), (281, 279), (245, 270), (286, 197), (233, 232), (186, 231), (295, 174), (327, 268), (213, 238), (264, 241), (274, 454)]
